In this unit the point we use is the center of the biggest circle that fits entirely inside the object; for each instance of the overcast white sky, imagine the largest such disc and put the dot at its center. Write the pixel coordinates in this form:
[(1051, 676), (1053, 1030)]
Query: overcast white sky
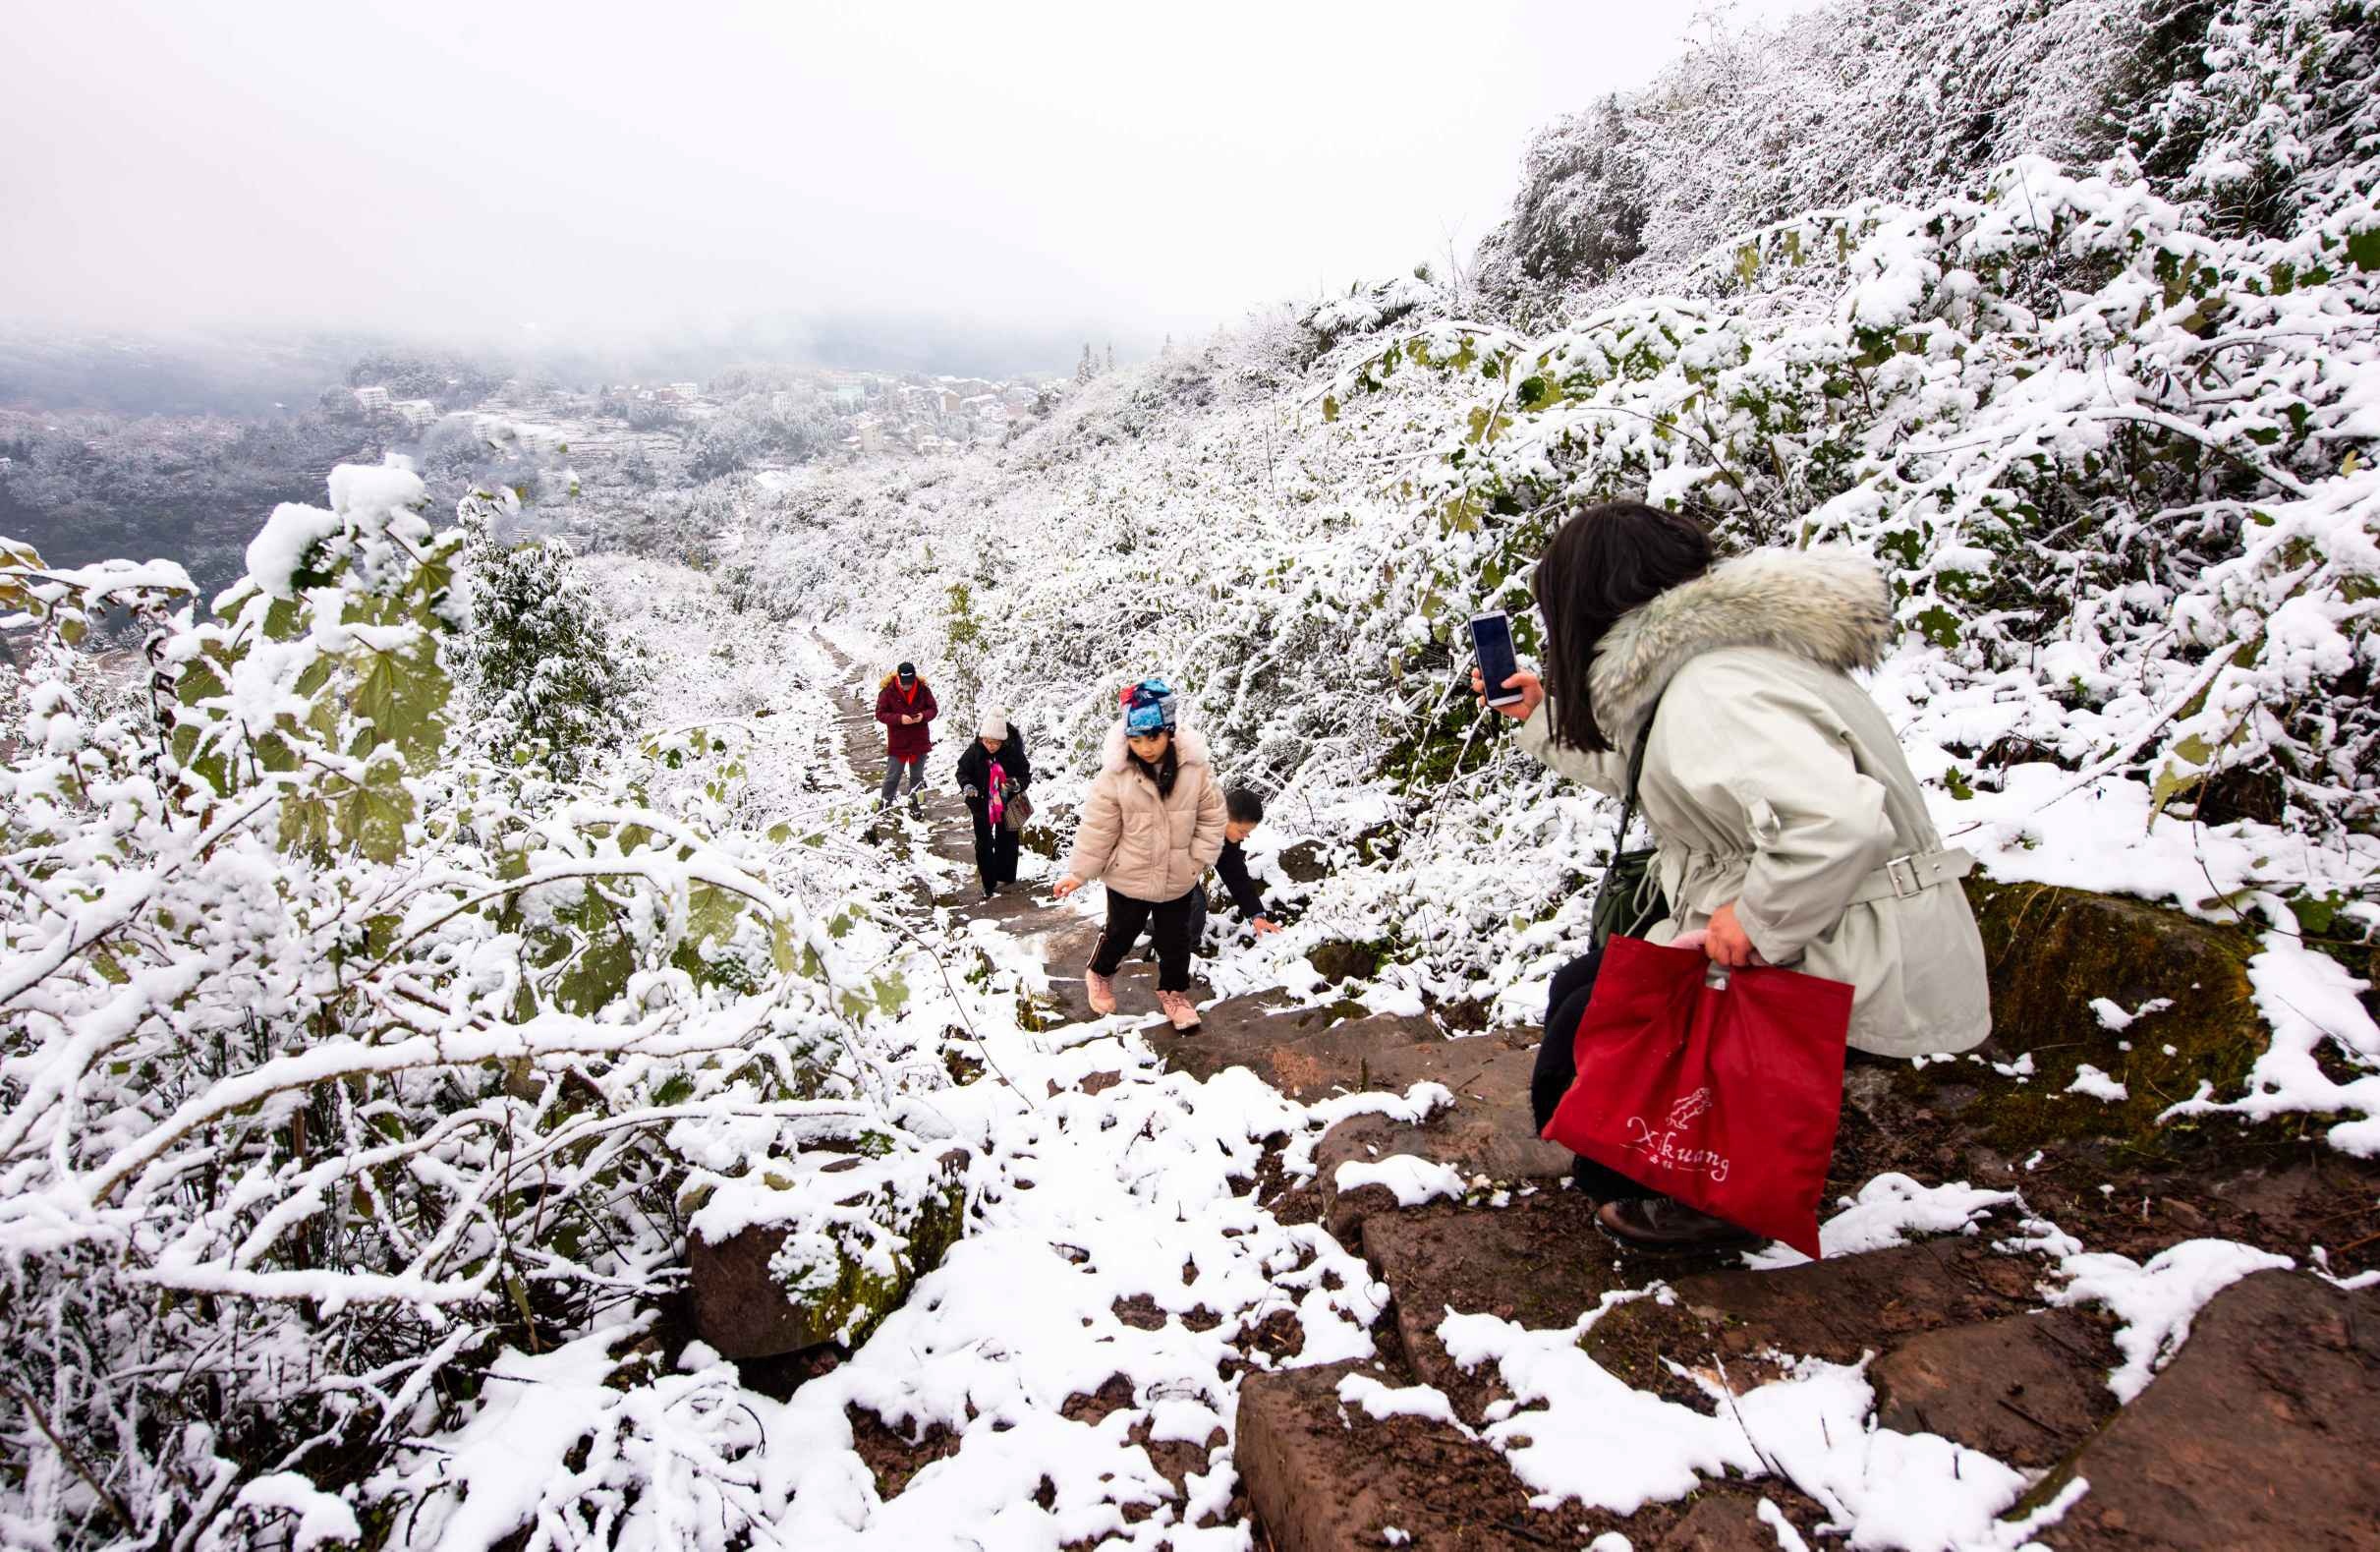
[(618, 169)]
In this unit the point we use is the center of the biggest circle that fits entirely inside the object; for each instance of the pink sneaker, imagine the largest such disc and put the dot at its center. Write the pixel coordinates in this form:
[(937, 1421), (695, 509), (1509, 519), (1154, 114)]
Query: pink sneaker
[(1177, 1006), (1103, 992)]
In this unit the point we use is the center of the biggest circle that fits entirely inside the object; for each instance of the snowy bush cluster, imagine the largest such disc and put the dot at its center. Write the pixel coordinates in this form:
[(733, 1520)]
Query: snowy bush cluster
[(344, 1064), (2249, 109)]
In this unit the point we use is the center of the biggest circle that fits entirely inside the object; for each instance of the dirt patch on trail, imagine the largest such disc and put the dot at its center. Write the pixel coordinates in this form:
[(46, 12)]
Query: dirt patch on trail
[(1140, 1312), (1278, 1338), (893, 1459), (1639, 1342), (1095, 1406), (1288, 1201)]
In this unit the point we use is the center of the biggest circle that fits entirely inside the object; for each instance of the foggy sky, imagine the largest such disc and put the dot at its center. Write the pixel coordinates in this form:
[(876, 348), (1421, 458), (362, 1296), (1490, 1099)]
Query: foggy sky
[(620, 171)]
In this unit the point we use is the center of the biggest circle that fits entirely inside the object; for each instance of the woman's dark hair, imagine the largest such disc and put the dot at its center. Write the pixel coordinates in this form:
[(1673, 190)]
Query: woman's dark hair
[(1604, 562), (1168, 765)]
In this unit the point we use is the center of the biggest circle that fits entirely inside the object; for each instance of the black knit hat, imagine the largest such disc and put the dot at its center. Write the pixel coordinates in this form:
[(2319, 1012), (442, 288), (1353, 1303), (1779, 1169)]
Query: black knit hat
[(908, 670)]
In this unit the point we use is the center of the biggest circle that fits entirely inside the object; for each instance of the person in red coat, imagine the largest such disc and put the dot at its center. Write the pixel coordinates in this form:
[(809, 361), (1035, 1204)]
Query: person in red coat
[(904, 704)]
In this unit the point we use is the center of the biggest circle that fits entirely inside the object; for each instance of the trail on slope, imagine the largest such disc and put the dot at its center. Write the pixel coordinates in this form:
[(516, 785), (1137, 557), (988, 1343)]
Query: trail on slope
[(1069, 1373)]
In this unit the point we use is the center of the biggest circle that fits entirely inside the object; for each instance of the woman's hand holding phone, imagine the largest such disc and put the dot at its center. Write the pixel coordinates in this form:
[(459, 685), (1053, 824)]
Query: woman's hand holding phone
[(1532, 694)]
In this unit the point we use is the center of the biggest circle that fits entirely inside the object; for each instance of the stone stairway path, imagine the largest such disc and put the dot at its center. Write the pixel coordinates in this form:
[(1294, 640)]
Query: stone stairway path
[(2261, 1433)]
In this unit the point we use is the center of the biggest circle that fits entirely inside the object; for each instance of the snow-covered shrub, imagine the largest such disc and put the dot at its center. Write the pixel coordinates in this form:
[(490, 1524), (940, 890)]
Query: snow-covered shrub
[(2087, 437), (2247, 107), (339, 1061)]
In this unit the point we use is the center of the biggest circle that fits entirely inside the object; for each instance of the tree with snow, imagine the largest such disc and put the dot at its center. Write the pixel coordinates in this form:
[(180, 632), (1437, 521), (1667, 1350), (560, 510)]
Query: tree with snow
[(545, 673)]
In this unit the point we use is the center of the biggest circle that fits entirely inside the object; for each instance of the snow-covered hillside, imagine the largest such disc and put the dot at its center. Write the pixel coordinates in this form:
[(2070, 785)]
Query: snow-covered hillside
[(2116, 450), (2250, 110)]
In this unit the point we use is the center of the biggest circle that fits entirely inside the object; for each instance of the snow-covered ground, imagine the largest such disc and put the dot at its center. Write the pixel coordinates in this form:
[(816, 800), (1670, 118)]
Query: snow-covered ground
[(1133, 1193)]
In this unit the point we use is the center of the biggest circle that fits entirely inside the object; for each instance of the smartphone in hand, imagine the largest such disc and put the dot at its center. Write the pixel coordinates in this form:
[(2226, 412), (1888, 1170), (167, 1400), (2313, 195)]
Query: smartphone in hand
[(1492, 645)]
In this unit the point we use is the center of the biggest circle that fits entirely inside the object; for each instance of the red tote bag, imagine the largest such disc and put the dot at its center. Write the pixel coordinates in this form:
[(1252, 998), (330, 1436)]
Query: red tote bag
[(1724, 1097)]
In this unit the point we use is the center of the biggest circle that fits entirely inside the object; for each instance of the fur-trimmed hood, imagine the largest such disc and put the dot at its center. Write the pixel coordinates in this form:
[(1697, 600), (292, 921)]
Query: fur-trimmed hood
[(1190, 747), (1828, 604)]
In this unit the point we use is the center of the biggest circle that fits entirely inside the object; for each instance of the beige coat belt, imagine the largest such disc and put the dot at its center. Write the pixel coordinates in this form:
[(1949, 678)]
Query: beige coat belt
[(1913, 874)]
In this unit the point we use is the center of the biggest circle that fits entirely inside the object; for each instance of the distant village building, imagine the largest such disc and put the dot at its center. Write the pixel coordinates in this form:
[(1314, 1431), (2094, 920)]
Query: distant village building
[(419, 413), (850, 397), (374, 397)]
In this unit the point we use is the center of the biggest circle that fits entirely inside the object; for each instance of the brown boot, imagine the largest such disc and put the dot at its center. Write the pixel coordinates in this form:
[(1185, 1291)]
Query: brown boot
[(1103, 992), (1663, 1223), (1176, 1007)]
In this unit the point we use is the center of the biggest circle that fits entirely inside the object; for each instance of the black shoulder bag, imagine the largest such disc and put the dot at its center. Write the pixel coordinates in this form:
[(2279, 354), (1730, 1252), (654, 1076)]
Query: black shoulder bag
[(1631, 900)]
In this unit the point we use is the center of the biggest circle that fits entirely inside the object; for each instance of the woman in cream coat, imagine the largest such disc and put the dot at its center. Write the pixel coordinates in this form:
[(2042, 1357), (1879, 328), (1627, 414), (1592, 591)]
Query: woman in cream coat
[(1152, 827), (1788, 828)]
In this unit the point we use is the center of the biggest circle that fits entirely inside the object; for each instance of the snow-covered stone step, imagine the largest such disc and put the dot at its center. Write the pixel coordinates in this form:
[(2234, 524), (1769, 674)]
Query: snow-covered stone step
[(1843, 1306), (1485, 1141), (1539, 1261), (1346, 1456)]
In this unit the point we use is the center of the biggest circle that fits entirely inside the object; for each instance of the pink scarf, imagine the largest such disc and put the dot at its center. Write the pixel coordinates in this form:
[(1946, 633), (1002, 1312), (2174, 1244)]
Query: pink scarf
[(996, 805)]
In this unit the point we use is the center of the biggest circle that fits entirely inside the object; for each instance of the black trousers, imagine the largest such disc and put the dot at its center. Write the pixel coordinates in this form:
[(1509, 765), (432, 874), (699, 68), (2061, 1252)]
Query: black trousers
[(996, 849), (1168, 925), (1198, 920), (1550, 1080)]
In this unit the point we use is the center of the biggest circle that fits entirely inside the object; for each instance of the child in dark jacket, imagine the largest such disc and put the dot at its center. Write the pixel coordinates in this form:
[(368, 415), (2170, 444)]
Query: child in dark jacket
[(1243, 811)]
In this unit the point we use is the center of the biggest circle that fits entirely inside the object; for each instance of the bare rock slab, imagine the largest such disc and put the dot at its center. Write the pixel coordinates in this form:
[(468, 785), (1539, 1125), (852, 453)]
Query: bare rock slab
[(1720, 1523), (1298, 1051), (2024, 1389), (2262, 1433), (1487, 1132), (1837, 1309), (1323, 1479)]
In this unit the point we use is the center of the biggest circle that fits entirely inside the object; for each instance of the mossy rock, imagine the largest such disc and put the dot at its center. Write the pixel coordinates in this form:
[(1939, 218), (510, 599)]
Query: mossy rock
[(2050, 953), (744, 1307), (1304, 862), (1340, 961)]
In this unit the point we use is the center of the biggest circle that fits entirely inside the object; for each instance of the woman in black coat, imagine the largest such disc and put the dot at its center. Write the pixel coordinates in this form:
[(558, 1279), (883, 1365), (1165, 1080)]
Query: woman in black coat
[(993, 771)]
